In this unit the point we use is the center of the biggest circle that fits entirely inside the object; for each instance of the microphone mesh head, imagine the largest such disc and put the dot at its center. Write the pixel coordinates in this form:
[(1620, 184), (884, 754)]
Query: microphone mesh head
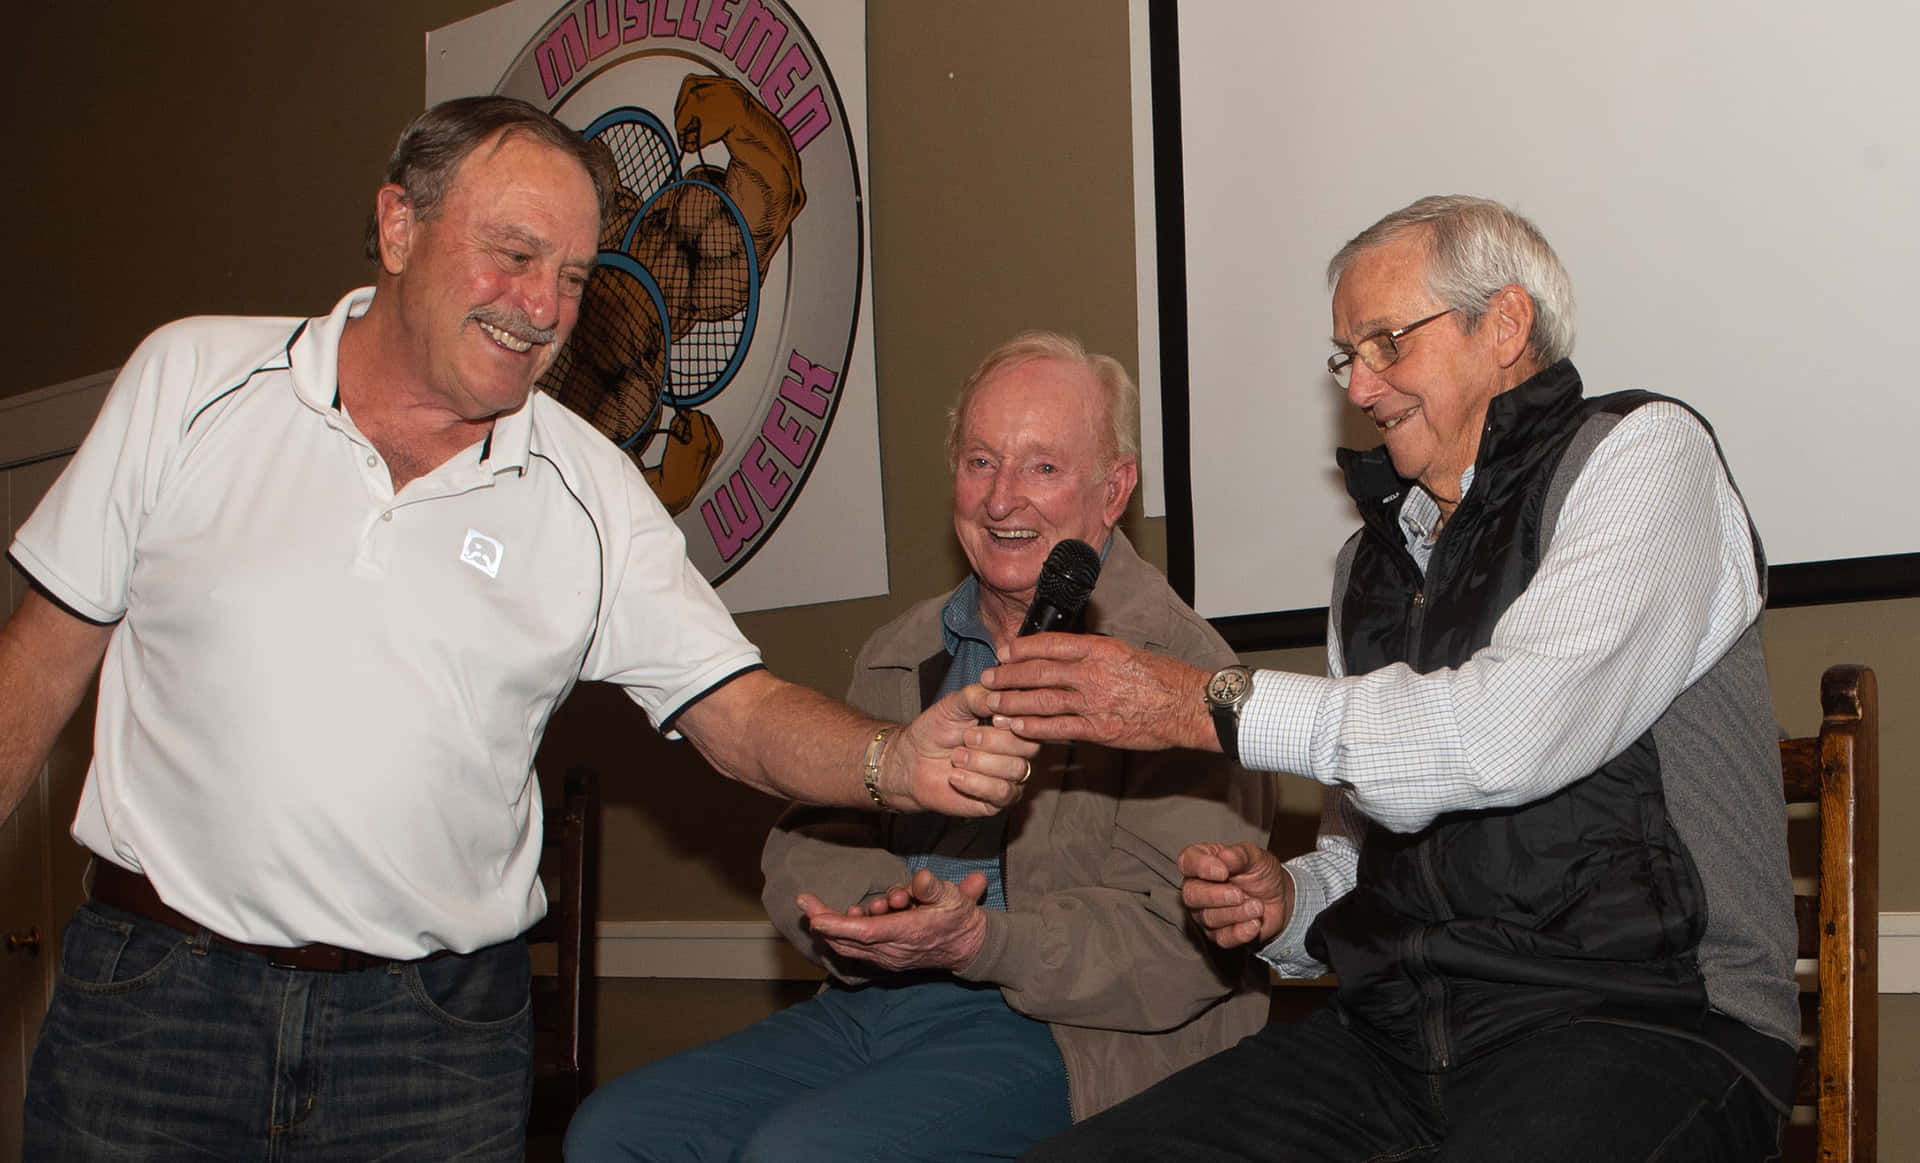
[(1066, 580)]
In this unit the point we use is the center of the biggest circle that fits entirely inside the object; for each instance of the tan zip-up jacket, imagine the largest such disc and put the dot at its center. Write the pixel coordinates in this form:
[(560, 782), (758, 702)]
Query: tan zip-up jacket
[(1095, 941)]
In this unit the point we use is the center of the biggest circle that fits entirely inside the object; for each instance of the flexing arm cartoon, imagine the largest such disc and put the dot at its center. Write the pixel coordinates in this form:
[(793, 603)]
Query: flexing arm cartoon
[(763, 179)]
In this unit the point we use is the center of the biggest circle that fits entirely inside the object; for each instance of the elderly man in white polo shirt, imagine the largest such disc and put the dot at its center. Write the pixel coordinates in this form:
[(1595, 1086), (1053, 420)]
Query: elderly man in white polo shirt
[(341, 571)]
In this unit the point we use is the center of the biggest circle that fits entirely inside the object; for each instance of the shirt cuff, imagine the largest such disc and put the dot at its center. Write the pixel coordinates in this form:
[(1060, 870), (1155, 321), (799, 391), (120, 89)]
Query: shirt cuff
[(55, 589), (1277, 722), (1287, 952)]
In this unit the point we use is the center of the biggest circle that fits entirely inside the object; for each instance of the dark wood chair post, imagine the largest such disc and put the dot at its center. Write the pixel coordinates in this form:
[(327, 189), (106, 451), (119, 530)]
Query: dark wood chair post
[(563, 1001), (1839, 771)]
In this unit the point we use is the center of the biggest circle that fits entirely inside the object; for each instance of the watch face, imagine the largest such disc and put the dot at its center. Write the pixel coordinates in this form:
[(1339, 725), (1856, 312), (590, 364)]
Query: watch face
[(1228, 686)]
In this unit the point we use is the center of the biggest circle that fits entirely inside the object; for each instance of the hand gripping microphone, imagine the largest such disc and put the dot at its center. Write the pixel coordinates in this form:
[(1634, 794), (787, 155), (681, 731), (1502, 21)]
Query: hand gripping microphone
[(1060, 596)]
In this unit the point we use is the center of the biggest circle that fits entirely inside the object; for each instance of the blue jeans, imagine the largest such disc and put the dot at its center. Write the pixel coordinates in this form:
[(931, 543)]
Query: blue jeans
[(935, 1070), (164, 1045), (1590, 1092)]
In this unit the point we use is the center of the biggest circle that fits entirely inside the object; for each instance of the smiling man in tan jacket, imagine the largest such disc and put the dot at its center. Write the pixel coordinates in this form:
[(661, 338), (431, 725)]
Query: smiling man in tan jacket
[(989, 981)]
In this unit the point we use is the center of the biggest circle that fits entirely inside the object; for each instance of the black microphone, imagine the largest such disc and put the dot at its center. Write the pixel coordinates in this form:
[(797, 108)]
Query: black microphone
[(1060, 596)]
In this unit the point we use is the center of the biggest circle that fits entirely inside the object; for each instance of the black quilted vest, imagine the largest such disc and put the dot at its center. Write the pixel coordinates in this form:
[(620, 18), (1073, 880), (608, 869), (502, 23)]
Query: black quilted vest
[(1486, 925)]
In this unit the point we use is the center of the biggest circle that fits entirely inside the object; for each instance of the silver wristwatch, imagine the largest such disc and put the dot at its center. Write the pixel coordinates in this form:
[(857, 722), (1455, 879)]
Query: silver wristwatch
[(1227, 691)]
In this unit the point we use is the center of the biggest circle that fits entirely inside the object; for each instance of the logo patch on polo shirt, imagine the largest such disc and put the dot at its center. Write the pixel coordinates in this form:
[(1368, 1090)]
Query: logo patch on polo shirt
[(482, 553)]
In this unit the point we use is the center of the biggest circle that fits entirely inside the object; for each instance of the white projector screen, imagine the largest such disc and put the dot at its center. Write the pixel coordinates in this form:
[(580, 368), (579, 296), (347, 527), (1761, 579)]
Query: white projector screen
[(1734, 187)]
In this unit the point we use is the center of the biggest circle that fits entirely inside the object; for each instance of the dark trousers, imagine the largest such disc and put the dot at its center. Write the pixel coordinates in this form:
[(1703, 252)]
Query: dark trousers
[(166, 1045), (935, 1072), (1312, 1090)]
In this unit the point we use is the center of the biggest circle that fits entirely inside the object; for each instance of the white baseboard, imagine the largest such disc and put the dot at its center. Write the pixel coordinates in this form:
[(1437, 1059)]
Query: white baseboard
[(755, 951), (1900, 952)]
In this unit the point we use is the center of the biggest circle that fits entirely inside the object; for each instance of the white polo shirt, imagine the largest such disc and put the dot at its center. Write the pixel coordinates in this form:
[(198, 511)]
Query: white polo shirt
[(319, 710)]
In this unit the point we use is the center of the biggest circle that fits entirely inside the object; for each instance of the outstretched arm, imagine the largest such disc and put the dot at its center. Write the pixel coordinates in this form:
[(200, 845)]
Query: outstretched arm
[(1102, 690), (793, 742), (47, 657), (1650, 578)]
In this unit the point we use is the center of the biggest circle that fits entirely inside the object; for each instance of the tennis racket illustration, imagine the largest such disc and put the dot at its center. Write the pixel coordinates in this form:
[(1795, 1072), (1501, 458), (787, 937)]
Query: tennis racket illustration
[(612, 368), (643, 149), (707, 267), (668, 315)]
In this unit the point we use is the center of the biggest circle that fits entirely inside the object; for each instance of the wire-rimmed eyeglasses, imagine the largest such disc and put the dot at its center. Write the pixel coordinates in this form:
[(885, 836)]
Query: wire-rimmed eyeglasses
[(1378, 351)]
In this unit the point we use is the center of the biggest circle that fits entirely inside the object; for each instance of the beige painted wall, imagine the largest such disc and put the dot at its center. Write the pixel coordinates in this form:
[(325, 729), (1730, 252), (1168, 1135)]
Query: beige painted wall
[(219, 156)]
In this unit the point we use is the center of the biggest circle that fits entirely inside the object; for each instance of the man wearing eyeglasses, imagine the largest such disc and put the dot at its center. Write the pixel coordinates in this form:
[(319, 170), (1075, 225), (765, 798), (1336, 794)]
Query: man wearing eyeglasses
[(1551, 876)]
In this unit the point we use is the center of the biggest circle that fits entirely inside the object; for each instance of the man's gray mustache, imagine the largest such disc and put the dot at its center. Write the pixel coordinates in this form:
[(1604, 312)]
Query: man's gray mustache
[(516, 324)]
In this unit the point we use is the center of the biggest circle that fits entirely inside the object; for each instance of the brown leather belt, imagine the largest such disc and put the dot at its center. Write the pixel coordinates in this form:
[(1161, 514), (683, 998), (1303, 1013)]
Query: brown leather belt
[(115, 886)]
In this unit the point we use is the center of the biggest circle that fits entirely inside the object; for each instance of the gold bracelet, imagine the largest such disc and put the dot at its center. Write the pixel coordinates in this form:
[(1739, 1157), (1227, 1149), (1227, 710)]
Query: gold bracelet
[(870, 767)]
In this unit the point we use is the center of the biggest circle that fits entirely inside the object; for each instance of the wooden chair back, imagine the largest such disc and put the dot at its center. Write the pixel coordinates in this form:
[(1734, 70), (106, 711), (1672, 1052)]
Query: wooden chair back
[(1837, 908), (562, 1009)]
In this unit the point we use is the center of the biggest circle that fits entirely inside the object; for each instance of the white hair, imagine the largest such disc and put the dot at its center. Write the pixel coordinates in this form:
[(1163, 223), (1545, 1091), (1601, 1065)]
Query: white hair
[(1122, 402), (1474, 248)]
